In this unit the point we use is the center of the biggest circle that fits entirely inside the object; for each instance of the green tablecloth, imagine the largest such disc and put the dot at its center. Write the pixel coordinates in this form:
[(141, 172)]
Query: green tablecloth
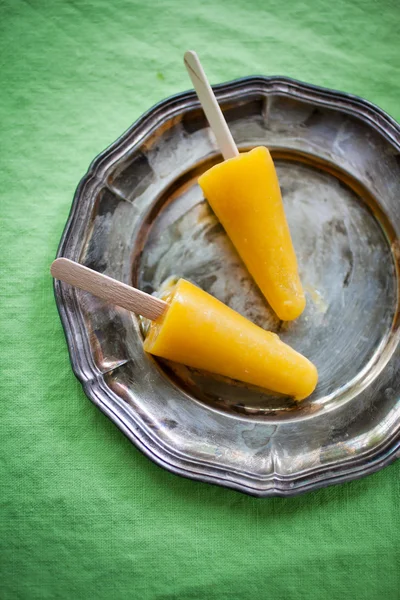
[(83, 513)]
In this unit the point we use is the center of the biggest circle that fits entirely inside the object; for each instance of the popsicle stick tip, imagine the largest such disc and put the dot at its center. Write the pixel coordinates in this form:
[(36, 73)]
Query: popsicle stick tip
[(56, 264), (190, 54), (190, 57), (195, 70)]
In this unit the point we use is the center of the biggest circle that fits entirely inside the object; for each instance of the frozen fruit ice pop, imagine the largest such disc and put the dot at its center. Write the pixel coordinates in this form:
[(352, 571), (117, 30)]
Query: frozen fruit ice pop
[(200, 331), (194, 328), (244, 193)]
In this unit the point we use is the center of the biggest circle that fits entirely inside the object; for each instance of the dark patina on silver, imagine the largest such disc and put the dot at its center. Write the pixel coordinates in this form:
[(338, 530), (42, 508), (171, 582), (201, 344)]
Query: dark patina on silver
[(139, 216)]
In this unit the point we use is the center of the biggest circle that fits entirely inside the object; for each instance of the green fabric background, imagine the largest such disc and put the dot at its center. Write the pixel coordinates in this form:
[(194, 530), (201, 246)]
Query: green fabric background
[(83, 513)]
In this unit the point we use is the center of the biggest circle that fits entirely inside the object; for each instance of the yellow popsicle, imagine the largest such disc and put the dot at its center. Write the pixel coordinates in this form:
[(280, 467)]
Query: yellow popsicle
[(200, 331), (244, 193)]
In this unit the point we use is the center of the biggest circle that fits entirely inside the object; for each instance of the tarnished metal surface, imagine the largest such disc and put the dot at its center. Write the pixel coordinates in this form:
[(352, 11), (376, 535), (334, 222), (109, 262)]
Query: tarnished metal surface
[(139, 216)]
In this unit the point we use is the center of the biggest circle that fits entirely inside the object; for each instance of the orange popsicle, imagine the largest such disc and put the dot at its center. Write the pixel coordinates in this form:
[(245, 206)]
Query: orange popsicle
[(244, 193), (200, 331), (196, 329)]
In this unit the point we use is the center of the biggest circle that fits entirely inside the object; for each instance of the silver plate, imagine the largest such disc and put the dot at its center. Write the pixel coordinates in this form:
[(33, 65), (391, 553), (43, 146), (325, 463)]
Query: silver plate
[(139, 216)]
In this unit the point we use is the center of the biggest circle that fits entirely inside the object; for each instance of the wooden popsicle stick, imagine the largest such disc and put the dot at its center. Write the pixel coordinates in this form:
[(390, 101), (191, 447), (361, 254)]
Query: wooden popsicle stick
[(210, 106), (111, 290)]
